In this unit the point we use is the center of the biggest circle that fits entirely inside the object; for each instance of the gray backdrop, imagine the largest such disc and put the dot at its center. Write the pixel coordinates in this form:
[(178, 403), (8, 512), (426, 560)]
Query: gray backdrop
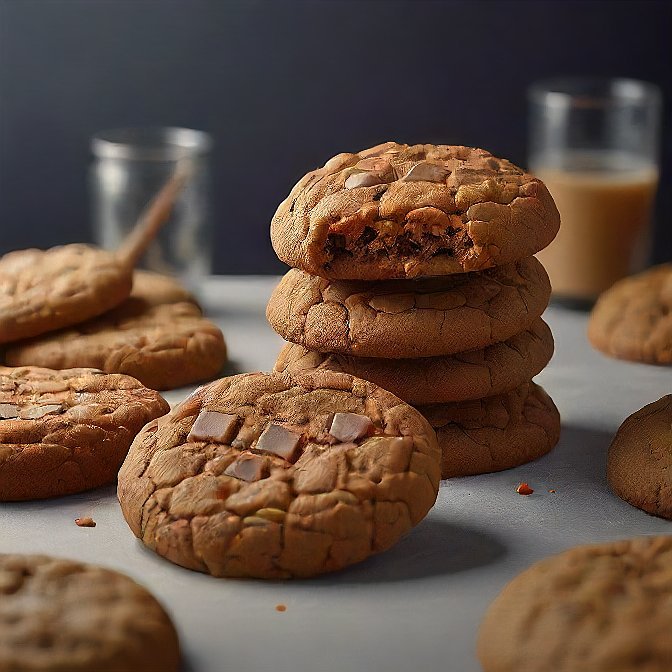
[(283, 85)]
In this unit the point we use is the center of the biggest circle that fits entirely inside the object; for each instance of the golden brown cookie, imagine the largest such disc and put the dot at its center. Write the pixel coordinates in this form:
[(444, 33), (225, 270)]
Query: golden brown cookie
[(600, 608), (639, 462), (42, 291), (59, 615), (66, 431), (400, 211), (270, 476), (495, 433), (633, 319), (429, 380), (158, 336), (408, 319)]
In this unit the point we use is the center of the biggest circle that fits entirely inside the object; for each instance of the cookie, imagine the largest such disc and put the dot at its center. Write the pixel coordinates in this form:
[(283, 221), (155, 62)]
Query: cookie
[(163, 345), (466, 375), (67, 431), (406, 319), (600, 608), (42, 291), (633, 319), (495, 433), (639, 461), (400, 211), (278, 476), (60, 615)]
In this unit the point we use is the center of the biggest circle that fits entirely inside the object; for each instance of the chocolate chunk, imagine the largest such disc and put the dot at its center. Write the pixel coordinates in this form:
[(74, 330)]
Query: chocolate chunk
[(280, 441), (365, 179), (348, 427), (426, 172), (213, 426), (248, 467), (36, 412), (8, 411)]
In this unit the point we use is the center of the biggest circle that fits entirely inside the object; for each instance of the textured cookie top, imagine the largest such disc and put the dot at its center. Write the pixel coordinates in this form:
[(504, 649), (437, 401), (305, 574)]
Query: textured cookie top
[(46, 290), (56, 419), (164, 346), (60, 615), (409, 318), (466, 375), (400, 211), (603, 608), (639, 461), (273, 476), (154, 289), (633, 319)]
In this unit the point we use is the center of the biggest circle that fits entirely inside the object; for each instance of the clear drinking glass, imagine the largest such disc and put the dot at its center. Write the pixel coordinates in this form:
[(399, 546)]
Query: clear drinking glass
[(130, 167), (595, 143)]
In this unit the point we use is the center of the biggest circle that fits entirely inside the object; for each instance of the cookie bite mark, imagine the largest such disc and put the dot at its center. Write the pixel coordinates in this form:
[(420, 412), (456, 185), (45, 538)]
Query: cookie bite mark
[(413, 210)]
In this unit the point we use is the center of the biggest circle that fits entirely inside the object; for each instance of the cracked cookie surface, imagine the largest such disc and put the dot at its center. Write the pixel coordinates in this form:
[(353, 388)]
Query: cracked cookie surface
[(603, 608), (58, 615), (270, 476), (158, 335), (408, 319), (400, 211), (67, 431), (639, 461), (467, 375), (495, 433), (45, 290), (633, 319)]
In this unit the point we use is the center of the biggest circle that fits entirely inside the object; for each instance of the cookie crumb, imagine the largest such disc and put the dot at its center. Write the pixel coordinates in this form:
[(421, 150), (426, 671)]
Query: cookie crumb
[(85, 522), (280, 607), (524, 489), (552, 492)]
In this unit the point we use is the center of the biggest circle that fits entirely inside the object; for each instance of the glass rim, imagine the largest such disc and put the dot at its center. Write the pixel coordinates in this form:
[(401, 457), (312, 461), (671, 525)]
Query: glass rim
[(150, 143), (594, 92)]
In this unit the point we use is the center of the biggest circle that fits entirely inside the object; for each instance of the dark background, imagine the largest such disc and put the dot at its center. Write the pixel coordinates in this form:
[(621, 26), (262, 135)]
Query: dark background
[(284, 85)]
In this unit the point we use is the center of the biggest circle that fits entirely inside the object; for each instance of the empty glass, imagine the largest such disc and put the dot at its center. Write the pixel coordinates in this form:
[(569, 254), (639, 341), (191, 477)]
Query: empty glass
[(131, 166)]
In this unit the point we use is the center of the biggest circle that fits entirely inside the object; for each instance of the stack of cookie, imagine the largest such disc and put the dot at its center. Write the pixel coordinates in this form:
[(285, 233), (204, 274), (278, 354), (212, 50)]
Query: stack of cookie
[(413, 268), (78, 306)]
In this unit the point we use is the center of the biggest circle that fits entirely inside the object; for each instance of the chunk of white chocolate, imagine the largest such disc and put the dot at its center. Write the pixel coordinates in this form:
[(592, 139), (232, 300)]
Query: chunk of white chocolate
[(426, 172), (213, 426), (37, 412), (365, 179), (280, 441), (9, 411), (348, 427)]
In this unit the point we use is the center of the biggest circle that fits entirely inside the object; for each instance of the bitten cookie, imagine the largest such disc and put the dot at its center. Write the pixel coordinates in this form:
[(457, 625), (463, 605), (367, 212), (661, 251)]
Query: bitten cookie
[(400, 211), (42, 291), (633, 319), (495, 433), (158, 336), (601, 608), (467, 375), (270, 476), (66, 431), (60, 615), (408, 319), (639, 462)]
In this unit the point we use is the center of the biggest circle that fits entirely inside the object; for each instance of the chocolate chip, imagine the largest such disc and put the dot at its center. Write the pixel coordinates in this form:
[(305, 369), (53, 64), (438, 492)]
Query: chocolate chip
[(348, 427), (9, 411), (248, 467), (213, 426), (280, 441)]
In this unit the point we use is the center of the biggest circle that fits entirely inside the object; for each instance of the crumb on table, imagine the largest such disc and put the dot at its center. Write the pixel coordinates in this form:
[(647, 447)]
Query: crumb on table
[(85, 522), (524, 489)]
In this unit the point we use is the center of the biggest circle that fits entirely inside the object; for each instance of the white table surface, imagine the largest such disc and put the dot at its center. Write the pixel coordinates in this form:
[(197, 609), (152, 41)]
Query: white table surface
[(418, 606)]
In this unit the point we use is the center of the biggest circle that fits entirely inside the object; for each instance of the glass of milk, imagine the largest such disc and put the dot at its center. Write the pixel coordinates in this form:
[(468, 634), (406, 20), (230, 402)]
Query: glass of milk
[(595, 143)]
